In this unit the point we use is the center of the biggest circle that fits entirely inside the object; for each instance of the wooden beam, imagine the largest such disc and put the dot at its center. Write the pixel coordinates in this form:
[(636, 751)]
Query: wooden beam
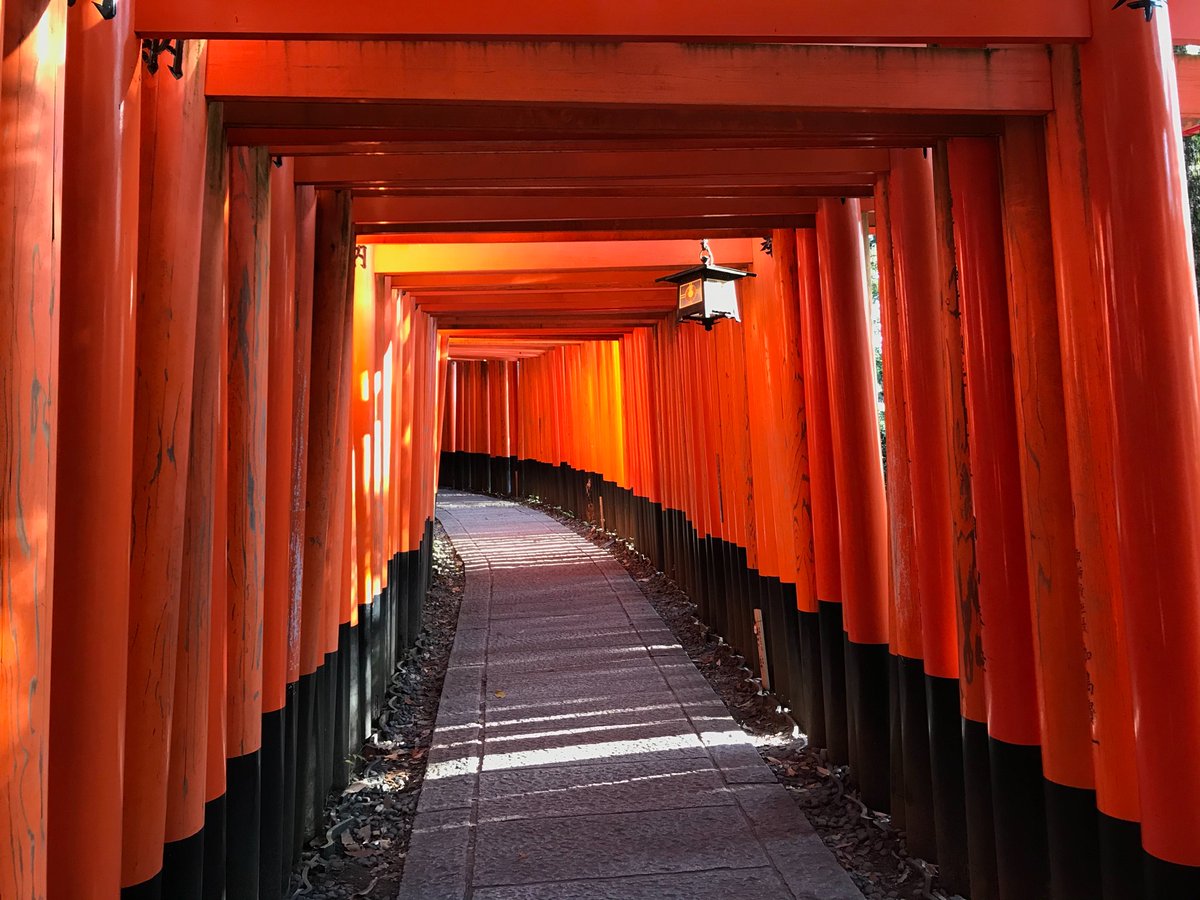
[(530, 281), (553, 256), (492, 168), (867, 79), (1188, 69), (536, 237), (1185, 22), (425, 212), (271, 122), (710, 21), (597, 321), (341, 147), (658, 299)]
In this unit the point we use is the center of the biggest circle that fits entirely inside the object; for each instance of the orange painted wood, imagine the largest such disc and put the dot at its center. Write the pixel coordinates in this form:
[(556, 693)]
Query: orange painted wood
[(434, 284), (977, 249), (1185, 24), (1087, 390), (302, 369), (249, 343), (1053, 574), (174, 124), (281, 338), (424, 213), (551, 256), (809, 77), (492, 169), (203, 557), (760, 387), (826, 540), (969, 624), (542, 237), (903, 591), (95, 444), (1187, 69), (333, 253), (658, 299), (904, 21), (337, 605), (31, 115), (1154, 343), (913, 247), (362, 448), (214, 771), (862, 507)]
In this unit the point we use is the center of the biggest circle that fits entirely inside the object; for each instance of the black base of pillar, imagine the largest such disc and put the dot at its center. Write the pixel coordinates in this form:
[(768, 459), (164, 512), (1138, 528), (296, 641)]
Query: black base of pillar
[(1073, 833), (918, 774), (214, 849), (183, 868), (1168, 880), (147, 890), (1019, 804), (1122, 865), (273, 778), (947, 782), (981, 829), (810, 669), (866, 686), (243, 825), (833, 680)]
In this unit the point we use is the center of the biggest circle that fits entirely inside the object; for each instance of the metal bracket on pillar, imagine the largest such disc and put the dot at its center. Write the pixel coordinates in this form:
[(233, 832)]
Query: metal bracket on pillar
[(360, 255), (277, 162), (768, 246), (1146, 6), (152, 49), (106, 8)]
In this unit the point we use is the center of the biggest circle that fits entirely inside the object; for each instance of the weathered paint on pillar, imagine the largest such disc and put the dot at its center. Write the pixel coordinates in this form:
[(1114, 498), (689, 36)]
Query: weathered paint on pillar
[(249, 337), (191, 743), (31, 116), (95, 444), (1087, 389), (174, 129)]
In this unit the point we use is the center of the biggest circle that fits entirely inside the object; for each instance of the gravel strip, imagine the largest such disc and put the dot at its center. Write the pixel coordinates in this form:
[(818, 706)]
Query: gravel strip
[(362, 852)]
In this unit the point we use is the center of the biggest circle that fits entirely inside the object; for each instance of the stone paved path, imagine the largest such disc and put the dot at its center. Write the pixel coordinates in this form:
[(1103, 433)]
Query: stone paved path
[(579, 754)]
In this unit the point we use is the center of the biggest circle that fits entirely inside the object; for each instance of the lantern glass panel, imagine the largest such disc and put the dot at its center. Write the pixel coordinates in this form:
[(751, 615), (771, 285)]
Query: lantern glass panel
[(720, 299)]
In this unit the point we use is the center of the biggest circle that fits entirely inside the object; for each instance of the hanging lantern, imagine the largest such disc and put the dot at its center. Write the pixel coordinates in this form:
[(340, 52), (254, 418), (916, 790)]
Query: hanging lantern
[(708, 292)]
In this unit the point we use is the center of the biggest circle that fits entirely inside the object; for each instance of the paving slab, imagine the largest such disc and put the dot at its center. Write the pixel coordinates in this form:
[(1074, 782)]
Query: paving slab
[(579, 754)]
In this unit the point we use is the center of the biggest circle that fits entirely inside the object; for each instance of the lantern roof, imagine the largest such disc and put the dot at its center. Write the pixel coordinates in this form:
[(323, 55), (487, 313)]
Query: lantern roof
[(709, 272)]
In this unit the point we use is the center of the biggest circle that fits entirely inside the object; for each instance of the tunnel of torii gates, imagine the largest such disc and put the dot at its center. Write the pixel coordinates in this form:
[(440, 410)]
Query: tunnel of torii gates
[(273, 271)]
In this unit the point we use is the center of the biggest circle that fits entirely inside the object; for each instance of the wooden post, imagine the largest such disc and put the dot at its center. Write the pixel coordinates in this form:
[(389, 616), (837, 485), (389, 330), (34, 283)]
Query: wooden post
[(95, 444), (170, 226)]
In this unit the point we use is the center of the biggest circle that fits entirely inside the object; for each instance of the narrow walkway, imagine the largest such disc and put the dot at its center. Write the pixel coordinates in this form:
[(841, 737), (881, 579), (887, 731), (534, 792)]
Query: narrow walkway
[(579, 754)]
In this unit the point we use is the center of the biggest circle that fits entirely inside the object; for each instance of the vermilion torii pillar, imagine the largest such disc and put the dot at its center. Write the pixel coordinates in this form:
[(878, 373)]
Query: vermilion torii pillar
[(101, 139), (31, 116), (1140, 232), (174, 127), (862, 507)]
